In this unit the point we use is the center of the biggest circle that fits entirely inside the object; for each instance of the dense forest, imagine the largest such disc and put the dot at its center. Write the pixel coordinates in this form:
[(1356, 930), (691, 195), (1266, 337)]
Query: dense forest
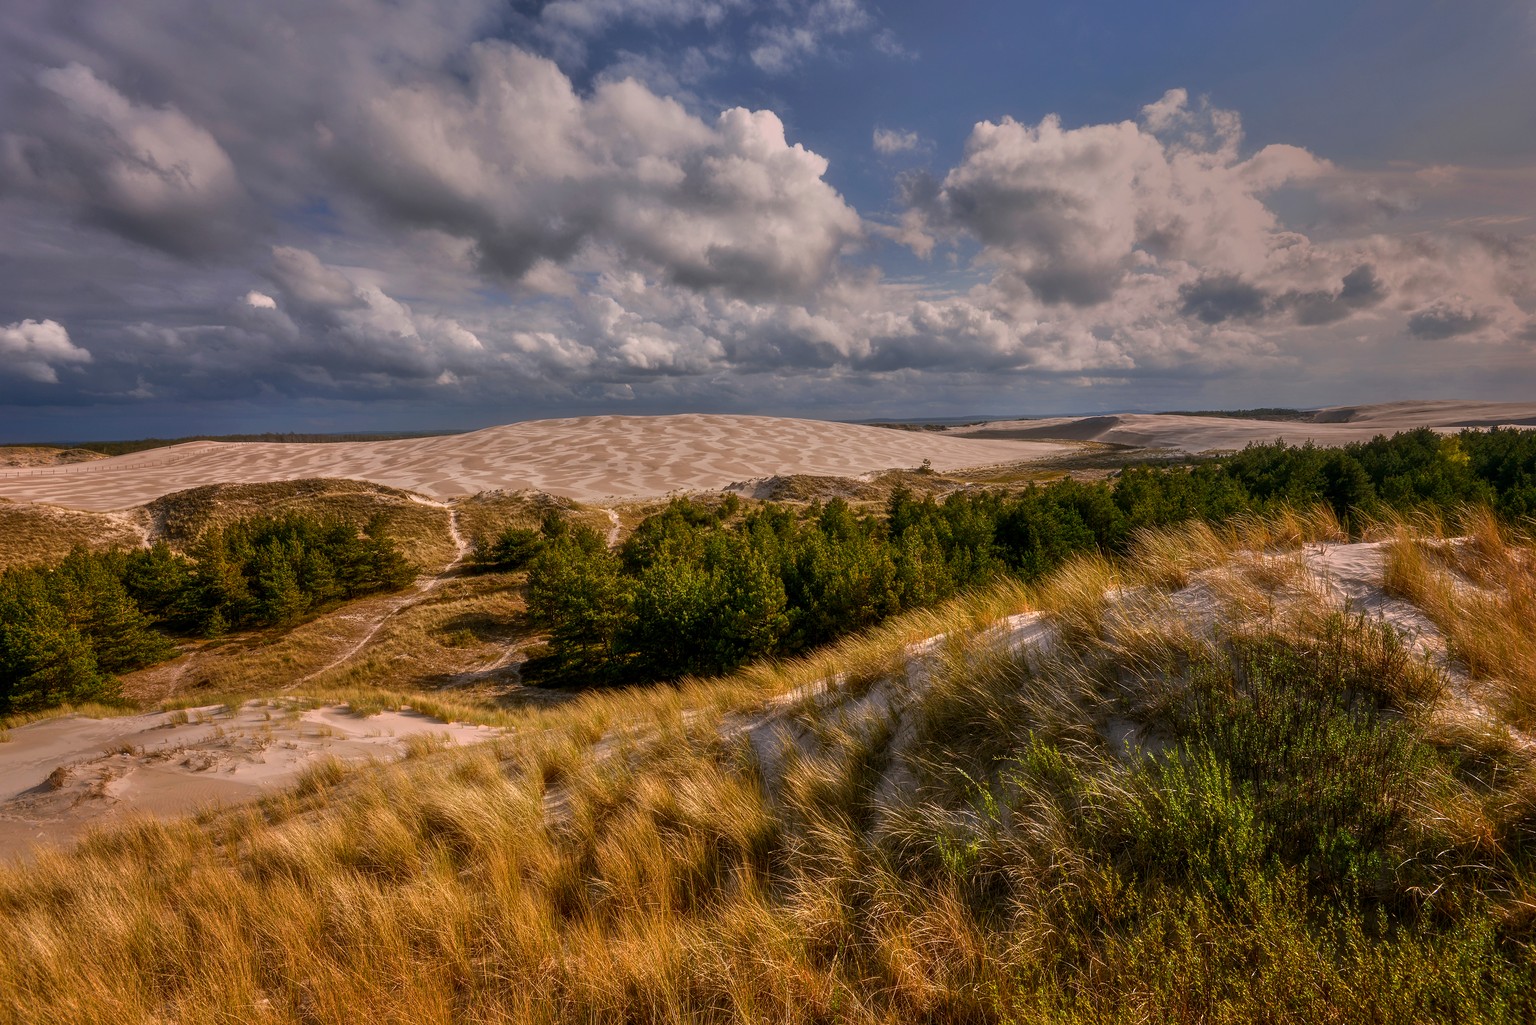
[(699, 589), (66, 631)]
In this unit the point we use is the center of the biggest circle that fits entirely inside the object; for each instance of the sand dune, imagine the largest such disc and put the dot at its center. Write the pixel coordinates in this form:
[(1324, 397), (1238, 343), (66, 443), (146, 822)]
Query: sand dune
[(588, 458), (60, 776), (606, 457), (1338, 425)]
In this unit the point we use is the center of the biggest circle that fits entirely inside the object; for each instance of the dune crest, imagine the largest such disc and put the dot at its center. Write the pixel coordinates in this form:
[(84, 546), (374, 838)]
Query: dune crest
[(1336, 425), (585, 458)]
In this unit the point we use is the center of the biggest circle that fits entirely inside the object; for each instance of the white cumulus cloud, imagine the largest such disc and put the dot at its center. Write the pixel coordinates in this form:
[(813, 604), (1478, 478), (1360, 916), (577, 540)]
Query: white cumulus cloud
[(33, 349), (1072, 211), (514, 158), (889, 141)]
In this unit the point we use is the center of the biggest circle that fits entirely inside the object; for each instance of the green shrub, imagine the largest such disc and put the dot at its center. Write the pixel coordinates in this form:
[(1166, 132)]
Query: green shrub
[(512, 549), (66, 631)]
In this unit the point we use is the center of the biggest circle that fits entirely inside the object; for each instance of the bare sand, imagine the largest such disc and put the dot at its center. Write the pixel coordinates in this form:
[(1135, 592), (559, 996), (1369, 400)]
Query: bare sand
[(587, 459), (59, 777), (1338, 425)]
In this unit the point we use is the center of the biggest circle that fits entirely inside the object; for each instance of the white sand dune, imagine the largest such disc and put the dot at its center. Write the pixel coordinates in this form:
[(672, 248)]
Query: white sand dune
[(587, 458), (60, 776), (1337, 425)]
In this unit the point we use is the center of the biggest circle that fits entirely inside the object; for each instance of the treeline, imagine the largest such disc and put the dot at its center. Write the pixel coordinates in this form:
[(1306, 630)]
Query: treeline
[(1261, 413), (704, 590), (68, 630), (123, 448)]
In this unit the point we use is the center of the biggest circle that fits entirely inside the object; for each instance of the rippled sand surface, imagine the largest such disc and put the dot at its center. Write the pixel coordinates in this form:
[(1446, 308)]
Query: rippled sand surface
[(587, 458)]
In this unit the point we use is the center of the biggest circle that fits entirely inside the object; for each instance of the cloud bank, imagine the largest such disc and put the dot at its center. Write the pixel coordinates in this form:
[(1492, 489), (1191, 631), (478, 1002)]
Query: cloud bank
[(441, 210)]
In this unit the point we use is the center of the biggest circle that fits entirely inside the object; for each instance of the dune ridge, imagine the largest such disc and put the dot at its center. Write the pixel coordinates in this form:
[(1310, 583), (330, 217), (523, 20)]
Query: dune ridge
[(1335, 425), (584, 458)]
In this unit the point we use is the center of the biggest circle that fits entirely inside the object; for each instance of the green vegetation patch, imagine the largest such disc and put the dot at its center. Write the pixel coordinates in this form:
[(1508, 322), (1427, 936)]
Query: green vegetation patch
[(703, 589), (419, 528), (66, 631)]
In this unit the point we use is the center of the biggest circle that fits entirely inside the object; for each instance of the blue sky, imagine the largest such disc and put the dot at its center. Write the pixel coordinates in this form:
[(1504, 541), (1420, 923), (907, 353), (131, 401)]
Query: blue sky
[(371, 215)]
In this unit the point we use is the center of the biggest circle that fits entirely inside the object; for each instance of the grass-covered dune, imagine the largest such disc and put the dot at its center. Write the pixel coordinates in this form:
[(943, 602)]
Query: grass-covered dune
[(1213, 783)]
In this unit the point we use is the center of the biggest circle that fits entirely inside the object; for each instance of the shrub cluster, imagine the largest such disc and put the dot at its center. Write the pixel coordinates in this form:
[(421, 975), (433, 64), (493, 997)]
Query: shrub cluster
[(703, 591), (515, 547), (1296, 849), (66, 631)]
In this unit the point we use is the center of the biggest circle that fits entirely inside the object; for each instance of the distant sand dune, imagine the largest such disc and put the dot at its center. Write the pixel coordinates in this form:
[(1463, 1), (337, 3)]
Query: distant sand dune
[(1338, 425), (586, 459), (594, 458)]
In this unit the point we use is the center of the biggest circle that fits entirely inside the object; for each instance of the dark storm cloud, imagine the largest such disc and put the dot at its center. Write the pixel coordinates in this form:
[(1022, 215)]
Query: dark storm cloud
[(1447, 318), (1222, 297), (149, 174), (1360, 289)]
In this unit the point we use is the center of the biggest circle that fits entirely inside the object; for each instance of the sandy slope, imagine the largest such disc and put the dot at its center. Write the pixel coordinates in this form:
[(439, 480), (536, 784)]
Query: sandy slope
[(1338, 425), (587, 458), (43, 455), (60, 776)]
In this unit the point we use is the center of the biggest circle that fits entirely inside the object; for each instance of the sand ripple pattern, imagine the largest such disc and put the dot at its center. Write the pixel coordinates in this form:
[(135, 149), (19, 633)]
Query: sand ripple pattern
[(586, 458)]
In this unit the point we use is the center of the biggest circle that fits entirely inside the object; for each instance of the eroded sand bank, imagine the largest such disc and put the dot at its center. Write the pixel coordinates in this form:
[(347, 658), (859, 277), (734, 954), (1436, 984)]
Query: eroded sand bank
[(59, 777)]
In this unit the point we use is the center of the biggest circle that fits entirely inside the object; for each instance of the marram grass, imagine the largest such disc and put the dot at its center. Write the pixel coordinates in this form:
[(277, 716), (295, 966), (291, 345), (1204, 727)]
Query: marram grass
[(1270, 822)]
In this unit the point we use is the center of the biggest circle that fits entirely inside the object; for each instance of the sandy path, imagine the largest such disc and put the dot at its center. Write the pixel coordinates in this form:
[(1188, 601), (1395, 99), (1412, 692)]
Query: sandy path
[(418, 592), (588, 459)]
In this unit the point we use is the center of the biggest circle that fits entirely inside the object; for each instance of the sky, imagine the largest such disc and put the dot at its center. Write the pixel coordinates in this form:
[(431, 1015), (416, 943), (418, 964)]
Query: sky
[(398, 215)]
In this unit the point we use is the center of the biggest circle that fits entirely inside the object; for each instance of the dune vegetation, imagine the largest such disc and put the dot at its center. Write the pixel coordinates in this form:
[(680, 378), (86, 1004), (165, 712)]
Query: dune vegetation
[(1245, 741), (1182, 787), (67, 631), (706, 587)]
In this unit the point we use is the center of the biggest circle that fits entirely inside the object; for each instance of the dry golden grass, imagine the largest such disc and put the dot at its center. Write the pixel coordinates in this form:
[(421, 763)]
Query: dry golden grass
[(414, 640), (484, 516), (44, 455), (442, 890), (1480, 590), (623, 856), (452, 638), (89, 709), (31, 534), (560, 875)]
